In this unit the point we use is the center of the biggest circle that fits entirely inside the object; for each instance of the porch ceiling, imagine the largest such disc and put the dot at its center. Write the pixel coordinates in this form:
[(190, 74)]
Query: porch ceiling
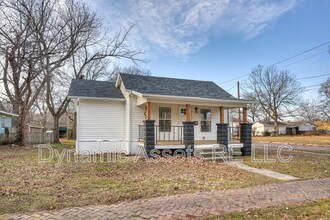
[(193, 101)]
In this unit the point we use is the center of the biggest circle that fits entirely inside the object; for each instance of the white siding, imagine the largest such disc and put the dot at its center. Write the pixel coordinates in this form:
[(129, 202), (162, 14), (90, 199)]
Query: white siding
[(306, 127), (137, 118), (101, 125), (177, 118), (260, 129), (215, 118)]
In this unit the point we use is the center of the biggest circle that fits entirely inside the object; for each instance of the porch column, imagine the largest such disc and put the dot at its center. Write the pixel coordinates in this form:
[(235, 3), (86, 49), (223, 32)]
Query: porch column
[(222, 135), (222, 115), (246, 138), (245, 115), (188, 112), (149, 136), (148, 110), (188, 134), (222, 130)]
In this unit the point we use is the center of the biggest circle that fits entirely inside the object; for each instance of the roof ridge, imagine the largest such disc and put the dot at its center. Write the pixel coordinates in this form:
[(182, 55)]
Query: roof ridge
[(163, 77)]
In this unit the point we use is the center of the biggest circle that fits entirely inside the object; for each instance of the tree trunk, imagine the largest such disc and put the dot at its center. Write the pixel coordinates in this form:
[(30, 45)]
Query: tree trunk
[(55, 129), (19, 123), (276, 124)]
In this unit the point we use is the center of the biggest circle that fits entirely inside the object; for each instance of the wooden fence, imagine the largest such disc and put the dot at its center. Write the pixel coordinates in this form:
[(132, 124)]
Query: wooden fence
[(31, 138)]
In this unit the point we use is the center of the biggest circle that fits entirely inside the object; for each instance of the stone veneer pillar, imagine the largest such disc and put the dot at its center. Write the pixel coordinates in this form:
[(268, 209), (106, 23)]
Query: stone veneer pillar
[(188, 134), (222, 135), (149, 136), (246, 138)]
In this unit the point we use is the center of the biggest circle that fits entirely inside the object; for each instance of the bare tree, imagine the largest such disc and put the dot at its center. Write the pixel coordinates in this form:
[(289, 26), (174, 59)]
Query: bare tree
[(255, 111), (309, 110), (21, 70), (276, 91), (325, 102), (134, 70), (39, 38), (94, 48)]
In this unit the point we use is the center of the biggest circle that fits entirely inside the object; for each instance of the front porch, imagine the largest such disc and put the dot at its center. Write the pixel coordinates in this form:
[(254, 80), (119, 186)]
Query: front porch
[(195, 132)]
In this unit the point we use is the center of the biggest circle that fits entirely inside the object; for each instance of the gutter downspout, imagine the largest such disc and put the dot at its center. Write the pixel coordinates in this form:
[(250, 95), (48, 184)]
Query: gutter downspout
[(129, 122), (77, 127)]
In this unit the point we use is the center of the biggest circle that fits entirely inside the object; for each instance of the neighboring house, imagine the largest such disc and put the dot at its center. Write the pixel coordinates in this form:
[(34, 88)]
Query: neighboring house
[(300, 127), (111, 115), (261, 128), (32, 129), (6, 120)]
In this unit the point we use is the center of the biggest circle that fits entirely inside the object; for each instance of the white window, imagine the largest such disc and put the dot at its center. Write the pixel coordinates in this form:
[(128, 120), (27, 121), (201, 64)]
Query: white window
[(164, 119), (3, 121), (183, 111), (205, 116)]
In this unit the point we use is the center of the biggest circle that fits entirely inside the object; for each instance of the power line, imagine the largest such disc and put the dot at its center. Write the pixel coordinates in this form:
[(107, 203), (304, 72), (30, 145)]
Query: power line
[(306, 51), (299, 61), (231, 87), (312, 77), (311, 86)]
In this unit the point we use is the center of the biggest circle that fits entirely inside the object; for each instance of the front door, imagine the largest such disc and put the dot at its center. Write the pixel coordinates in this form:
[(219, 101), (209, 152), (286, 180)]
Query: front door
[(182, 114)]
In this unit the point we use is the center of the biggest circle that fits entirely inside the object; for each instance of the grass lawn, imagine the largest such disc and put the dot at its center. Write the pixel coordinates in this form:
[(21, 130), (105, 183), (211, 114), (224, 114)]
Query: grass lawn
[(303, 140), (302, 165), (26, 185), (312, 210)]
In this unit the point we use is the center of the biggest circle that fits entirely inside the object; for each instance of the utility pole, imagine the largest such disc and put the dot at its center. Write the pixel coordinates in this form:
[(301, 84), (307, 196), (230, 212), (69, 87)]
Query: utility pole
[(239, 109)]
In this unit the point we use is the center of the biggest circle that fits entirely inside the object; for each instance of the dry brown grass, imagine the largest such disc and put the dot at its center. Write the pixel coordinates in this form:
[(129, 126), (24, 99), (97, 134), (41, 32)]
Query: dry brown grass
[(303, 140), (303, 165), (26, 185)]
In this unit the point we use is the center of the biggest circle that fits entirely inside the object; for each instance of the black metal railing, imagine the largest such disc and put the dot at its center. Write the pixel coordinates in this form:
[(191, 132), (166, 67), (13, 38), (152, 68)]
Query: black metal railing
[(175, 133), (171, 134), (234, 133)]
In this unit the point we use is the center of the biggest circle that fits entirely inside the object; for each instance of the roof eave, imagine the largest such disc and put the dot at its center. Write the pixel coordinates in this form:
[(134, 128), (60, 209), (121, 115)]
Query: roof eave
[(96, 98), (8, 114)]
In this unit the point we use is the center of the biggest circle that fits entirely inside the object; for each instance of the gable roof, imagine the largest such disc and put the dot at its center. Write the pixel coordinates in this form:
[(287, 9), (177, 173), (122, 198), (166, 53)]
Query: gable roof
[(94, 89), (270, 123), (298, 123), (152, 85)]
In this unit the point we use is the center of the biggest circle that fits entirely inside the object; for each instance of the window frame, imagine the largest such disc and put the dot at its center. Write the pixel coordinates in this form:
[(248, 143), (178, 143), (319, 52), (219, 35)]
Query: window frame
[(3, 121), (165, 123), (205, 119)]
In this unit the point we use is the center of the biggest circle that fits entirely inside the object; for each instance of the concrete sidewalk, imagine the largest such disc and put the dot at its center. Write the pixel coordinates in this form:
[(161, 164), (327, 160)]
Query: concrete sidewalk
[(268, 173), (196, 205)]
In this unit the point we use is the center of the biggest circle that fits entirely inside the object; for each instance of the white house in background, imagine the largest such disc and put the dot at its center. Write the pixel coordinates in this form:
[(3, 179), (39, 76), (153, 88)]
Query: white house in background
[(6, 120), (110, 115), (261, 127), (300, 127)]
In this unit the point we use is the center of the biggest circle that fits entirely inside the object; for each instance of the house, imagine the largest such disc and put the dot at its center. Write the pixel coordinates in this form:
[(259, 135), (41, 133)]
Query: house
[(261, 128), (153, 112), (300, 127), (33, 129), (6, 120)]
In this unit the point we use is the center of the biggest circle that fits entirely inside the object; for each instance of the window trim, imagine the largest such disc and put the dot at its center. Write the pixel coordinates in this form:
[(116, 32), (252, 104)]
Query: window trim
[(162, 128), (210, 121), (3, 121)]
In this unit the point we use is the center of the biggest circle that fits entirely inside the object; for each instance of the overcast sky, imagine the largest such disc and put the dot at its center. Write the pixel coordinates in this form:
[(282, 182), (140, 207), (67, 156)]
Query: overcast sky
[(219, 40)]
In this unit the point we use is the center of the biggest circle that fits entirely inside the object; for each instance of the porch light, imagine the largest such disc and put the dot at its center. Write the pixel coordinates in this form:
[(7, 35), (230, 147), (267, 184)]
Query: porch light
[(196, 110)]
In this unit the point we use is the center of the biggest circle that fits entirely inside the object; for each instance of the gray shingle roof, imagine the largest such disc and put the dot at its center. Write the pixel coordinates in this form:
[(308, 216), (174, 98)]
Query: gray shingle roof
[(174, 87), (96, 89)]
